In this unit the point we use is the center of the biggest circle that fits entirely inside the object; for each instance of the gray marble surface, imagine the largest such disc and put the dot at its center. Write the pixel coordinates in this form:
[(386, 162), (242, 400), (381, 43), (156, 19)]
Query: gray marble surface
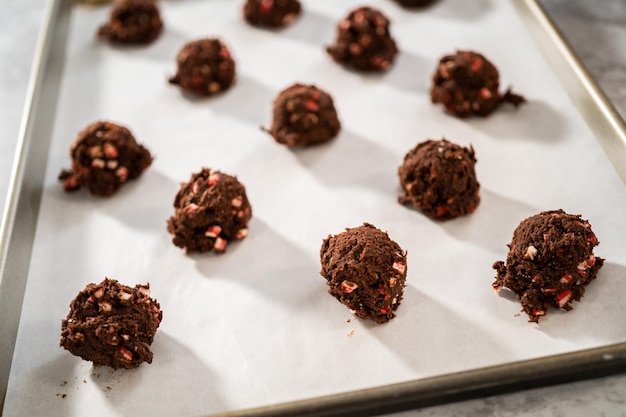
[(597, 33)]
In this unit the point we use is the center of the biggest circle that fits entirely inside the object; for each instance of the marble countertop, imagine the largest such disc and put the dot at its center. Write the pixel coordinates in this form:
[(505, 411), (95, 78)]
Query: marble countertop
[(597, 33)]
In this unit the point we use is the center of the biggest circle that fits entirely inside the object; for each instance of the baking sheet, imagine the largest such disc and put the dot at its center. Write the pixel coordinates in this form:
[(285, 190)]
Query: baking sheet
[(255, 326)]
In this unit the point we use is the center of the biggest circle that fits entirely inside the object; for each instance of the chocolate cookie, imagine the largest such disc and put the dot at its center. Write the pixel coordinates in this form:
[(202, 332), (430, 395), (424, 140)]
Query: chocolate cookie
[(304, 115), (412, 4), (205, 67), (104, 156), (132, 22), (210, 210), (363, 41), (550, 261), (438, 178), (271, 13), (111, 324), (365, 270), (466, 83)]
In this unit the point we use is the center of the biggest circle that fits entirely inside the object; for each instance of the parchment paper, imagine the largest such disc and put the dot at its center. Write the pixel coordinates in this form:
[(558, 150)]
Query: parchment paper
[(255, 326)]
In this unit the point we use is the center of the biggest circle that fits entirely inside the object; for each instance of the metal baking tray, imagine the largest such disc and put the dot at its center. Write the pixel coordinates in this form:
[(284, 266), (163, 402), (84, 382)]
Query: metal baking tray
[(22, 211)]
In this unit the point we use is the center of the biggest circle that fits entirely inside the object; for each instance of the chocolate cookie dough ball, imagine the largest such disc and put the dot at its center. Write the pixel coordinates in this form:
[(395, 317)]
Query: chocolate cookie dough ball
[(412, 4), (438, 178), (550, 261), (271, 13), (466, 83), (104, 156), (205, 67), (210, 210), (132, 22), (111, 324), (363, 41), (304, 115), (365, 270)]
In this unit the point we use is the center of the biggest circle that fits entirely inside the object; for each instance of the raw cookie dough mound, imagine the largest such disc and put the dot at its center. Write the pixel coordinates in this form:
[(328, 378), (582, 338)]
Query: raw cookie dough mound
[(210, 210), (411, 4), (104, 156), (466, 83), (205, 67), (271, 13), (438, 178), (304, 115), (550, 261), (111, 324), (132, 22), (365, 270), (364, 42)]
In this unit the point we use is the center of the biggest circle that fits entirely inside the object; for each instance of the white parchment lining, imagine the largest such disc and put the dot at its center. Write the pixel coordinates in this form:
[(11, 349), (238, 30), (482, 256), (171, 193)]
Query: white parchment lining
[(255, 326)]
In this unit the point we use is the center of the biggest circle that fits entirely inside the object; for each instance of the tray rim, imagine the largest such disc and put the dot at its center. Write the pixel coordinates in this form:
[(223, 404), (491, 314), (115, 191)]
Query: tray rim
[(22, 207), (21, 210), (605, 122)]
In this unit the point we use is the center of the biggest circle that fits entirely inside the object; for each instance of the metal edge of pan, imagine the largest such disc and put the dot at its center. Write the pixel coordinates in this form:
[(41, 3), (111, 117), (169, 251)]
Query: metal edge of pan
[(19, 219)]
